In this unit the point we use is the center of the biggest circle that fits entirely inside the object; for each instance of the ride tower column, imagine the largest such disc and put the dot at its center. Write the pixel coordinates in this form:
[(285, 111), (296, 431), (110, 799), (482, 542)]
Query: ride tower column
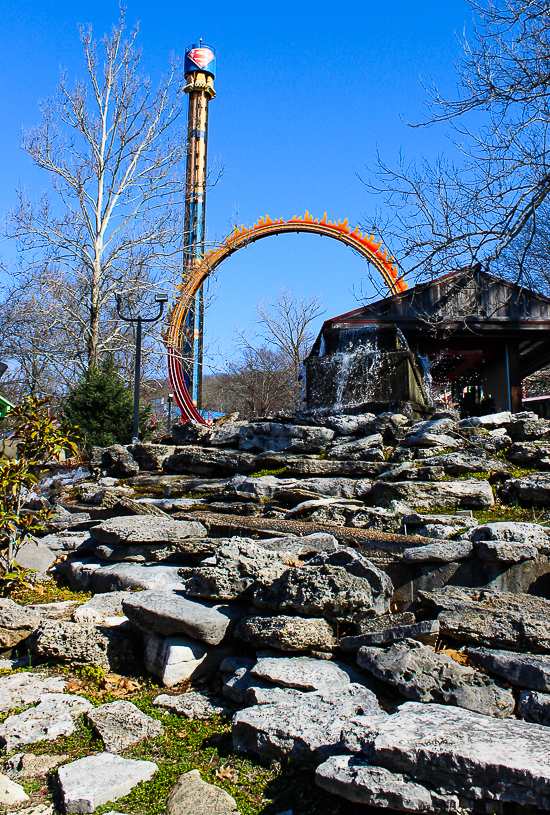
[(200, 72)]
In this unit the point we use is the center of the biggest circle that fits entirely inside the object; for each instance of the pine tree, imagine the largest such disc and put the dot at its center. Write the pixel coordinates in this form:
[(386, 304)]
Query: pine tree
[(103, 407)]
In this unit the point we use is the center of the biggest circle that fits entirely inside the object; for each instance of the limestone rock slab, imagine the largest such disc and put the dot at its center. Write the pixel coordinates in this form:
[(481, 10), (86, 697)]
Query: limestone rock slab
[(209, 461), (102, 609), (304, 673), (425, 631), (469, 494), (534, 706), (478, 757), (502, 620), (90, 574), (524, 670), (108, 646), (16, 622), (10, 792), (170, 612), (193, 796), (421, 674), (193, 705), (441, 552), (121, 724), (306, 728), (94, 780), (175, 659), (22, 689), (54, 716), (136, 529), (356, 780), (239, 566), (287, 633), (262, 436)]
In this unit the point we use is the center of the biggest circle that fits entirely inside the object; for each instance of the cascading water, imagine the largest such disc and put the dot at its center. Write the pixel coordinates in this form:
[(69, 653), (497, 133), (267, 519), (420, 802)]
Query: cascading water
[(356, 366)]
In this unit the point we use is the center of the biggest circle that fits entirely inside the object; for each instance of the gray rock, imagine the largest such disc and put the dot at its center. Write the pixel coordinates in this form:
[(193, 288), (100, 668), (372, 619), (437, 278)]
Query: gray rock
[(421, 674), (351, 425), (426, 631), (489, 421), (262, 436), (530, 455), (102, 609), (169, 612), (485, 761), (505, 551), (94, 780), (469, 494), (534, 706), (23, 689), (151, 456), (529, 490), (193, 796), (193, 705), (306, 728), (532, 535), (416, 522), (513, 622), (121, 724), (90, 574), (35, 555), (239, 566), (300, 547), (338, 586), (525, 670), (190, 551), (11, 793), (31, 766), (307, 467), (360, 450), (358, 781), (176, 659), (113, 461), (425, 439), (54, 716), (444, 552), (67, 520), (526, 426), (385, 621), (68, 542), (111, 647), (287, 633), (16, 623), (209, 461), (238, 684), (460, 463), (133, 530), (305, 673), (259, 695), (54, 611)]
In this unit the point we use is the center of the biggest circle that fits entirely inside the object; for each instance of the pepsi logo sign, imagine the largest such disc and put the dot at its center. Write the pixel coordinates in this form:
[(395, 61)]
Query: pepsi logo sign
[(201, 56)]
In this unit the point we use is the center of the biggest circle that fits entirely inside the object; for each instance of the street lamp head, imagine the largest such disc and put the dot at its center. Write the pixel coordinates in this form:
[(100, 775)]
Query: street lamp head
[(161, 298)]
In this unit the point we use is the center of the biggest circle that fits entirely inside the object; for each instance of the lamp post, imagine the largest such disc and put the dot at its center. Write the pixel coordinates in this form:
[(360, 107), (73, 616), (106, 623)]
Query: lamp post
[(170, 400), (161, 299)]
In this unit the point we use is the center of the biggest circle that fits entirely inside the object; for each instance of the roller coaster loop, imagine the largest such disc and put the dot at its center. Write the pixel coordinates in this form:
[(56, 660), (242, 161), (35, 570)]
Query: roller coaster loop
[(364, 245)]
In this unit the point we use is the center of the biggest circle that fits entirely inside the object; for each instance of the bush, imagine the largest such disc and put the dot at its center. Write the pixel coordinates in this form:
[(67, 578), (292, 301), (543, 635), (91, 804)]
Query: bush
[(103, 407)]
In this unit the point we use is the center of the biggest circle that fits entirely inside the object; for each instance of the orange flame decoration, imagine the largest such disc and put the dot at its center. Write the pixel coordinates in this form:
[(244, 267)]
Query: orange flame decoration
[(186, 292)]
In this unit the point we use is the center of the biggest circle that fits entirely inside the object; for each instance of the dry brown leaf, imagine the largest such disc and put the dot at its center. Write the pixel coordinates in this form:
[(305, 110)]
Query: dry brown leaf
[(226, 772)]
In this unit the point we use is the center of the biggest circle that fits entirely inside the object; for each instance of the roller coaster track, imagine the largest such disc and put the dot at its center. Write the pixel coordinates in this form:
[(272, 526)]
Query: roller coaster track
[(239, 238)]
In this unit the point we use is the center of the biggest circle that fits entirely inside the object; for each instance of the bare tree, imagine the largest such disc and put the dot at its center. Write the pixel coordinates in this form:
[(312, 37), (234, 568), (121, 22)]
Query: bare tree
[(114, 149), (287, 325), (257, 384), (451, 214)]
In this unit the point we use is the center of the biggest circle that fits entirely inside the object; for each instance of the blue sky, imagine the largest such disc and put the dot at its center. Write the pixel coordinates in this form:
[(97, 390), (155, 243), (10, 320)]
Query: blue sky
[(307, 93)]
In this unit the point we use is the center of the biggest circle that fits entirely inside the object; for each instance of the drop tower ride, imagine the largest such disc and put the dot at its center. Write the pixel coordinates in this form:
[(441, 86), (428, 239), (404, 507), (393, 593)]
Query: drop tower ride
[(200, 72)]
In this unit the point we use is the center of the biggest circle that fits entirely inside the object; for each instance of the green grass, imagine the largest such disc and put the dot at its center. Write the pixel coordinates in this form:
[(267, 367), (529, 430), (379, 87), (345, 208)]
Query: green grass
[(186, 745), (261, 473)]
